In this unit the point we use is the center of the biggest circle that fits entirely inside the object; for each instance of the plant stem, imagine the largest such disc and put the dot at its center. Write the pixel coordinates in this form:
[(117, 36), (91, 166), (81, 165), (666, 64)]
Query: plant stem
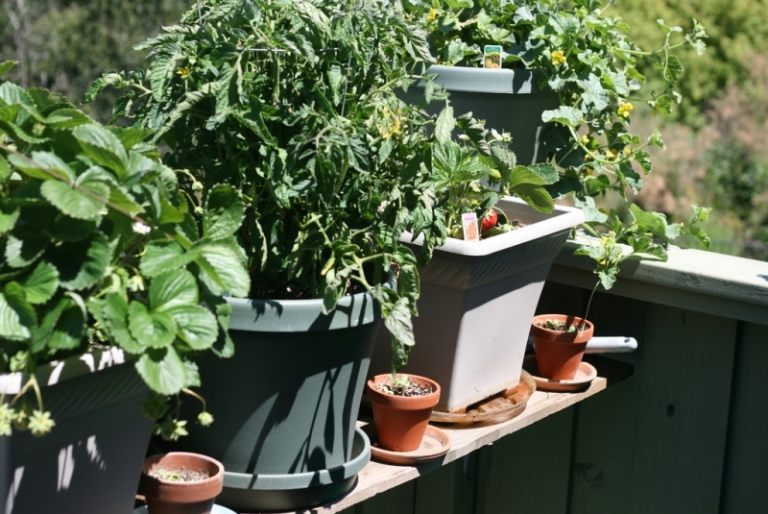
[(589, 305)]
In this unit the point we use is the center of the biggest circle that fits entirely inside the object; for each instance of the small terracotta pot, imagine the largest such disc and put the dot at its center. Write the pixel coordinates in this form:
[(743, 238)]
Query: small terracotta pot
[(401, 421), (177, 497), (559, 353)]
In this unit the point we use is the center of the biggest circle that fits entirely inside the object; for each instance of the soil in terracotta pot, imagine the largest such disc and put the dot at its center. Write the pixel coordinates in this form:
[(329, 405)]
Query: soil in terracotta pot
[(179, 475), (404, 387), (561, 326)]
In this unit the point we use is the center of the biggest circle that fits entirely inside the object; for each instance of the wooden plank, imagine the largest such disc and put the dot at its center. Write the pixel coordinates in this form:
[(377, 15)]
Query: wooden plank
[(528, 471), (683, 393), (449, 489), (399, 500), (720, 285), (605, 429), (377, 478), (744, 480)]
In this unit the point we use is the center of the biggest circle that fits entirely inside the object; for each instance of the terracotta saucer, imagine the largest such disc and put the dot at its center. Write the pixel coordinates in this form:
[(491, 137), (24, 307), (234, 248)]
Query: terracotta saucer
[(435, 444), (584, 376), (498, 408)]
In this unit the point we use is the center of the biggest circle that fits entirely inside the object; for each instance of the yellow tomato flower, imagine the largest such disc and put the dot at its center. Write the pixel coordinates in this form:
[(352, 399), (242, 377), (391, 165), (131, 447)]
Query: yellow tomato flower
[(625, 108), (585, 140), (183, 72), (391, 124), (432, 15), (610, 154), (558, 57), (627, 150)]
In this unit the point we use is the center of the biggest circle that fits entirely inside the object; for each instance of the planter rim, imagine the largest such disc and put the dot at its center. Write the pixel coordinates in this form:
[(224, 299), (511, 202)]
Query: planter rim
[(259, 315), (488, 80), (57, 371), (289, 481), (562, 218)]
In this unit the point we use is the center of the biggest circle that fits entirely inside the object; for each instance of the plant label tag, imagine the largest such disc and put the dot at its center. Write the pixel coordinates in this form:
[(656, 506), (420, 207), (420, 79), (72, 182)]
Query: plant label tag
[(492, 56), (469, 226)]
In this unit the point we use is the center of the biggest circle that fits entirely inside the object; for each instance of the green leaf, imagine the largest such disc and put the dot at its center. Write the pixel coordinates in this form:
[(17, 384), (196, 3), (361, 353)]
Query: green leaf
[(67, 117), (112, 313), (162, 370), (101, 83), (173, 288), (70, 328), (653, 222), (8, 221), (536, 196), (593, 92), (12, 94), (534, 175), (160, 73), (158, 259), (103, 147), (223, 270), (42, 283), (69, 230), (85, 200), (591, 213), (121, 199), (224, 346), (224, 212), (11, 326), (42, 165), (6, 66), (196, 325), (155, 329), (334, 80), (18, 133), (398, 322), (22, 251), (444, 125), (565, 115), (82, 264), (5, 169)]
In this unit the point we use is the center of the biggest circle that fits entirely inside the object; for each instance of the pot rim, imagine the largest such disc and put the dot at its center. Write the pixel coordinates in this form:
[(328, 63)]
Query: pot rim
[(561, 336), (402, 401), (155, 461)]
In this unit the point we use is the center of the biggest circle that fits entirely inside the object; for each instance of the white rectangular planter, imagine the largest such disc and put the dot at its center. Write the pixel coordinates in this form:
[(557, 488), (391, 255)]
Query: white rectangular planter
[(476, 306)]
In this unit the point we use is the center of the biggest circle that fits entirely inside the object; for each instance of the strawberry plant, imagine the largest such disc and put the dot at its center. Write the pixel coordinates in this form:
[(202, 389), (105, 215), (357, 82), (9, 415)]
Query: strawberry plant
[(100, 249)]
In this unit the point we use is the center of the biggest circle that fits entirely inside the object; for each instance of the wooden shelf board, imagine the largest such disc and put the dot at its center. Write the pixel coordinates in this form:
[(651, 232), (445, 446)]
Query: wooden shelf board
[(377, 477)]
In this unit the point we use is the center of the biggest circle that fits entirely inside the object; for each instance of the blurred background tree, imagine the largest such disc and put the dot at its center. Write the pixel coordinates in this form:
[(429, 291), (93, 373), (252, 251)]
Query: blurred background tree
[(65, 44), (717, 153)]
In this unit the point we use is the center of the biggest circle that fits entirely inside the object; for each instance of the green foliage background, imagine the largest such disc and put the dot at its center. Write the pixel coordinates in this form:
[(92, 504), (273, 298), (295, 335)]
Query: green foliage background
[(65, 45)]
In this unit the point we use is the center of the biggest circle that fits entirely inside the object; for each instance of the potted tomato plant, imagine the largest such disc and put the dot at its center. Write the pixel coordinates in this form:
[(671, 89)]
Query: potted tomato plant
[(330, 167), (90, 321)]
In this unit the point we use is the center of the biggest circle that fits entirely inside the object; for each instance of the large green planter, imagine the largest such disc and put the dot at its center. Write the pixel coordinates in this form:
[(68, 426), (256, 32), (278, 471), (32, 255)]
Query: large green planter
[(91, 462), (508, 100), (286, 404)]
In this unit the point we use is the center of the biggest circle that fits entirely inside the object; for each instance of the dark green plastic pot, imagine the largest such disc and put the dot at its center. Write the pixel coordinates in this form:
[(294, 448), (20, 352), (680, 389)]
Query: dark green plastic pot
[(286, 404), (91, 462), (508, 100)]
